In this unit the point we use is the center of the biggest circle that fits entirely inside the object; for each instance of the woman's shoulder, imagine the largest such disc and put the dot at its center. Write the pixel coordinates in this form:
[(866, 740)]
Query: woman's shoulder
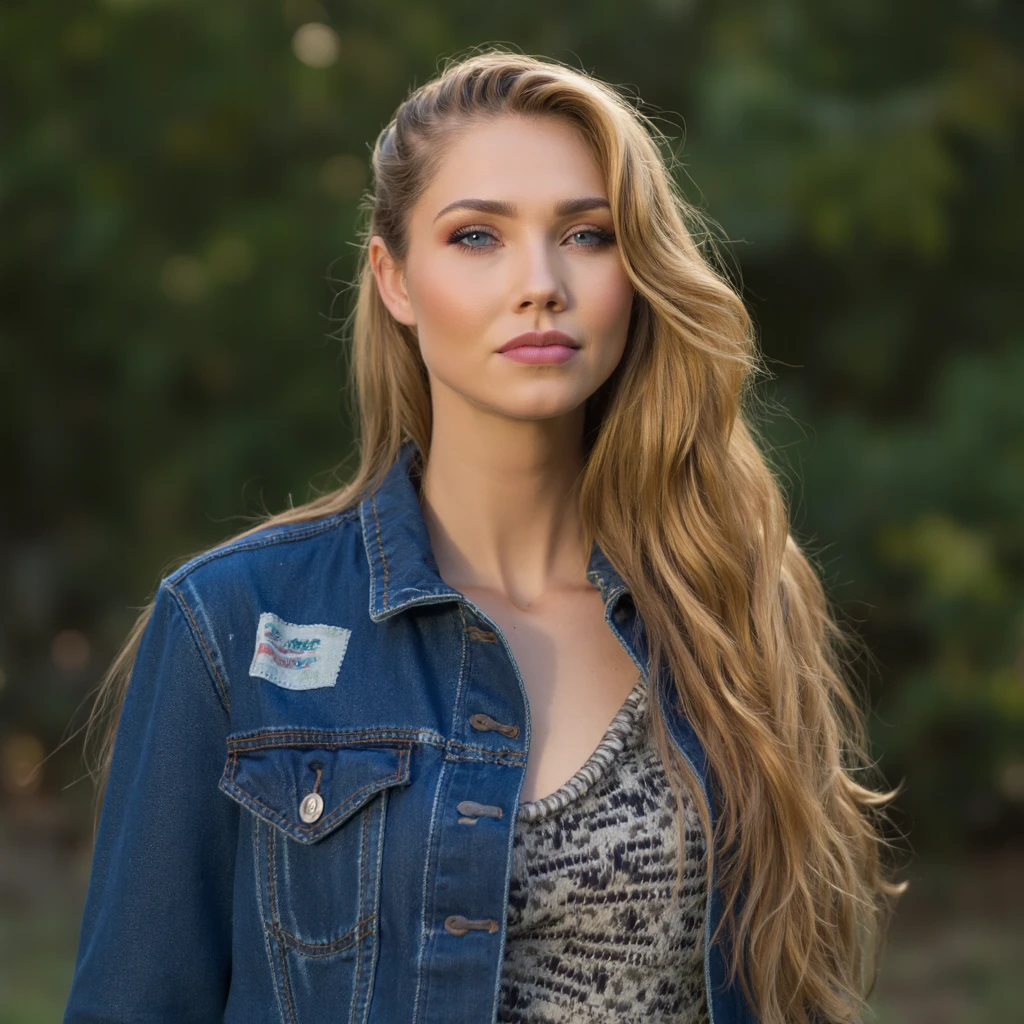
[(276, 547), (302, 571), (292, 584)]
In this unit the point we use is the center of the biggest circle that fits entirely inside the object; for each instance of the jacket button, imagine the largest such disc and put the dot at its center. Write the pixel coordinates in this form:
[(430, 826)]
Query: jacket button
[(456, 924), (311, 808), (485, 723)]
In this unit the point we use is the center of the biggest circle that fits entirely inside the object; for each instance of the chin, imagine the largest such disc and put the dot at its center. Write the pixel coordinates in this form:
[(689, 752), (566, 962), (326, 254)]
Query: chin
[(536, 407)]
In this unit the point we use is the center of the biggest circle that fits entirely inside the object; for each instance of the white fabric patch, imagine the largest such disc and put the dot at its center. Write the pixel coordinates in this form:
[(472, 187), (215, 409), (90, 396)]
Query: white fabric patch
[(298, 657)]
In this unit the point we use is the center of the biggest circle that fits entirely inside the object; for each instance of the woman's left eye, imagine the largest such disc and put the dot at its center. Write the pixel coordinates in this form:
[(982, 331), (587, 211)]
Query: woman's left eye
[(598, 237), (471, 238)]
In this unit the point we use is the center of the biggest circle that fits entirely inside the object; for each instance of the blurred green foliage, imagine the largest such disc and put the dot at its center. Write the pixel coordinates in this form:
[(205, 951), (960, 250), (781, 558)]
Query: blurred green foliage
[(178, 192)]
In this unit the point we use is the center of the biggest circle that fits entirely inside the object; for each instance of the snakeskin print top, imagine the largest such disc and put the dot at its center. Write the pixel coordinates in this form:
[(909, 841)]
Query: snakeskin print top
[(591, 934)]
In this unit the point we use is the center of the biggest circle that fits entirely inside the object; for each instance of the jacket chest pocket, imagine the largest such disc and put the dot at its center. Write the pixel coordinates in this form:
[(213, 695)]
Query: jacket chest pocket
[(318, 817)]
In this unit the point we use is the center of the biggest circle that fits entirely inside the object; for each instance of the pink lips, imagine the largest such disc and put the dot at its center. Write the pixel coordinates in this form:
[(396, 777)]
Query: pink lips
[(539, 347)]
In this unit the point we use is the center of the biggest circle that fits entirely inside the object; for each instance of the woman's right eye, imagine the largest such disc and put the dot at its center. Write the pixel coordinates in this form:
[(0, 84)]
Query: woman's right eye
[(471, 238)]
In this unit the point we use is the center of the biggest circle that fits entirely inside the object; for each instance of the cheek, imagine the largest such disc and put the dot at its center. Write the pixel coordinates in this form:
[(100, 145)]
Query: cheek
[(453, 305), (608, 302)]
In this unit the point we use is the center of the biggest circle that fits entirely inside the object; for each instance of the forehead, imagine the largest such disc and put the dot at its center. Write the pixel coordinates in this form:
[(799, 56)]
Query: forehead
[(543, 159)]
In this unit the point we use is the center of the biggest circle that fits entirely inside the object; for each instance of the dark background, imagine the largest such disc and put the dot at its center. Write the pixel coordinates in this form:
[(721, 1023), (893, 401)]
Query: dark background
[(178, 205)]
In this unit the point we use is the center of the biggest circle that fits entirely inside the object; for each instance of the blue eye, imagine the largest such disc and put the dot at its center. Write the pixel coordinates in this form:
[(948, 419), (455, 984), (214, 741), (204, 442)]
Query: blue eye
[(600, 237), (471, 239)]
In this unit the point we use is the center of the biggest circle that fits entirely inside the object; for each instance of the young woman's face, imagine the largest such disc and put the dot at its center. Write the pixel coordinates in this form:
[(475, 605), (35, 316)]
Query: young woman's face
[(513, 235)]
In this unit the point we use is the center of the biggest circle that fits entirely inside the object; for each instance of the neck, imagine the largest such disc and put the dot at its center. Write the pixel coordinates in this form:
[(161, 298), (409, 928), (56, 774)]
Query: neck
[(500, 502)]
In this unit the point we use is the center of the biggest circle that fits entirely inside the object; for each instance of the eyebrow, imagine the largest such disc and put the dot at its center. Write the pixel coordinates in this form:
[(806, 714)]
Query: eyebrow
[(502, 208)]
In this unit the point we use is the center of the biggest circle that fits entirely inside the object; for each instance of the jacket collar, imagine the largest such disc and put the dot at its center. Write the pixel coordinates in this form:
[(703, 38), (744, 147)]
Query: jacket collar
[(403, 570)]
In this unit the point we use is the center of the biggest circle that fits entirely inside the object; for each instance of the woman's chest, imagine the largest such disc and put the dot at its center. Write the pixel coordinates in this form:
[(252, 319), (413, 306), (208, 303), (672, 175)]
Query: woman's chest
[(591, 897)]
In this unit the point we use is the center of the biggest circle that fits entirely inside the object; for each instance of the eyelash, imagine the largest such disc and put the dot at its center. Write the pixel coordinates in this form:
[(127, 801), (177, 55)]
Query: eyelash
[(604, 238)]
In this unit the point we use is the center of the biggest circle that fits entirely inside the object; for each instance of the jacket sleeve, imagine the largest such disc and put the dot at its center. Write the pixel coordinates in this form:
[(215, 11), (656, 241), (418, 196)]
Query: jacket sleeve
[(155, 942)]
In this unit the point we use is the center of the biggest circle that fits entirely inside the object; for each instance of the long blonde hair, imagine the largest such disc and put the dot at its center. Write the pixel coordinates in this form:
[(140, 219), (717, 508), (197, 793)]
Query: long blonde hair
[(682, 502)]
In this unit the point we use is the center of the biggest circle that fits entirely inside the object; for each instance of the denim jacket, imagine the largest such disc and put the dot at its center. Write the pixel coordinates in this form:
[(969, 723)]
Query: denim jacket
[(310, 809)]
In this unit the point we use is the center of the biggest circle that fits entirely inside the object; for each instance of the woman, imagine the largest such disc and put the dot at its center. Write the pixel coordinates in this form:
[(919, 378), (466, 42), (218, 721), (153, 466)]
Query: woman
[(539, 718)]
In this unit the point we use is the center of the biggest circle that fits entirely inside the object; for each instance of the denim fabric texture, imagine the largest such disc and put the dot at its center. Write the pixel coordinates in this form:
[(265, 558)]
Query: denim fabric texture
[(328, 837)]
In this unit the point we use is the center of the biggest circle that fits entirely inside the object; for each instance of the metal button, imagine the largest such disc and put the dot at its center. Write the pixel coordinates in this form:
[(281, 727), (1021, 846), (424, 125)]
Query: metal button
[(311, 808)]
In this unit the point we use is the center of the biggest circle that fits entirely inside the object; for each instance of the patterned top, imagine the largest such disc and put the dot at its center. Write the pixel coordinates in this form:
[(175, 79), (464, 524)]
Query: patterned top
[(591, 934)]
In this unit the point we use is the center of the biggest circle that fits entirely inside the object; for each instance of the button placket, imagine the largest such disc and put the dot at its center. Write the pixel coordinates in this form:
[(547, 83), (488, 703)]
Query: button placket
[(482, 722), (470, 810)]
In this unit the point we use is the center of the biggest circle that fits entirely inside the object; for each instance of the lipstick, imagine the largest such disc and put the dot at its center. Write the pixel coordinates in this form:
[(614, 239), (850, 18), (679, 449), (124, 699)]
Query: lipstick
[(540, 347)]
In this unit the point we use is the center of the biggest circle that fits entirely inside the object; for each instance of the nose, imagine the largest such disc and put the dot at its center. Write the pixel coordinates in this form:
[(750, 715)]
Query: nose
[(542, 285)]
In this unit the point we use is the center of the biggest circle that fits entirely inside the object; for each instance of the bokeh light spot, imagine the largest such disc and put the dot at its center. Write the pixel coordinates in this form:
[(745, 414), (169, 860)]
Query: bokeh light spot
[(316, 44)]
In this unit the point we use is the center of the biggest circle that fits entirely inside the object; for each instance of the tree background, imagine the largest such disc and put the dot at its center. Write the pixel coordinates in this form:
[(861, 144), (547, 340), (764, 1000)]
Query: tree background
[(178, 208)]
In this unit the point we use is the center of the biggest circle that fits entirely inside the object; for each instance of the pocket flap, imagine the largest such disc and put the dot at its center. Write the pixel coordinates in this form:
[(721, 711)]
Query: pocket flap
[(272, 780)]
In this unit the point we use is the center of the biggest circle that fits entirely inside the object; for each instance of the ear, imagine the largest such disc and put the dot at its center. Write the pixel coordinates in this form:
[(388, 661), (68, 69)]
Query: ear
[(391, 282)]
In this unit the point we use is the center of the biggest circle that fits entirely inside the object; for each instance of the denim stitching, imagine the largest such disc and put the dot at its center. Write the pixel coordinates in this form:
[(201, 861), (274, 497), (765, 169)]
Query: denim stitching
[(383, 557), (471, 748), (369, 555), (271, 871), (428, 895), (296, 740), (267, 925), (517, 761), (375, 892), (340, 745), (453, 748), (222, 694), (323, 826), (207, 632), (363, 831), (335, 946), (457, 710), (429, 899), (239, 741)]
